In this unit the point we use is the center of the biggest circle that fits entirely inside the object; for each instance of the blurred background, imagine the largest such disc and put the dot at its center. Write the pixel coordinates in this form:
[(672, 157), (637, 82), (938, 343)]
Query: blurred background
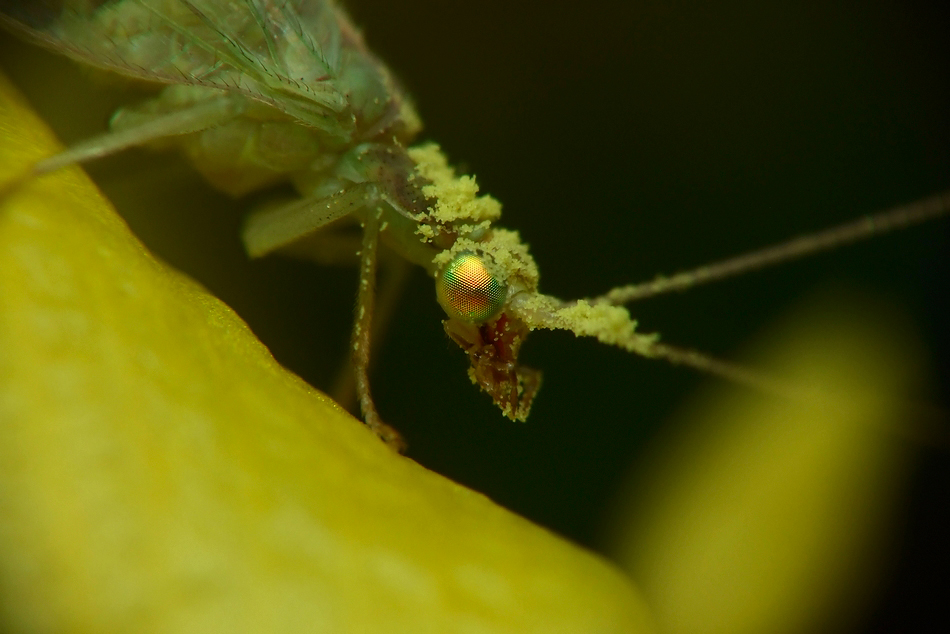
[(624, 140)]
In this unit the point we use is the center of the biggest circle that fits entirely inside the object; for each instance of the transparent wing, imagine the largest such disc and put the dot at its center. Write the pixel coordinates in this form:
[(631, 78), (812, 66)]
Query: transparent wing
[(285, 53)]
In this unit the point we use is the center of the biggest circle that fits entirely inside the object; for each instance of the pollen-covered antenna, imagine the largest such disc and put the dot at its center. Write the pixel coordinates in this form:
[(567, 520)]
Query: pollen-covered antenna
[(614, 326), (860, 229), (606, 319)]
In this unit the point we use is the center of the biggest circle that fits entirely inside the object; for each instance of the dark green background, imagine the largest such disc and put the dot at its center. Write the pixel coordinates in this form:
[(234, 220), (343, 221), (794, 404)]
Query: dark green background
[(624, 140)]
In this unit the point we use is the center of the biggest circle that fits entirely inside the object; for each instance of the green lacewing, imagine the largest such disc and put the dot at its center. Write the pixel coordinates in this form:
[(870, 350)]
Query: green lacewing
[(292, 89)]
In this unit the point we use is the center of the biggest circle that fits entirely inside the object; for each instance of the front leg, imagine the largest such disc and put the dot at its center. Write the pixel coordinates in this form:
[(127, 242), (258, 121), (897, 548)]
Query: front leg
[(272, 229), (362, 335)]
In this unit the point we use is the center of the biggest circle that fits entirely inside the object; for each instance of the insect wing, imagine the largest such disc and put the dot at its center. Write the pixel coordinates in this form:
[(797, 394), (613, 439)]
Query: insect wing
[(285, 54)]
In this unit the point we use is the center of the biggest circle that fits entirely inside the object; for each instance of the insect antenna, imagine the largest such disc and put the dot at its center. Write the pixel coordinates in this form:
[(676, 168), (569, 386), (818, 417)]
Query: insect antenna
[(899, 217), (614, 326), (605, 318)]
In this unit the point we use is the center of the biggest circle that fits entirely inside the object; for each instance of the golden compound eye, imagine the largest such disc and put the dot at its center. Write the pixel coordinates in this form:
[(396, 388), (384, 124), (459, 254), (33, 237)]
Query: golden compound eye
[(467, 290)]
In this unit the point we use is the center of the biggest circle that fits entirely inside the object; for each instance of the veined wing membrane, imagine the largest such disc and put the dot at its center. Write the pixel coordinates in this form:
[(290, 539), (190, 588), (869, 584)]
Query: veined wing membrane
[(254, 47)]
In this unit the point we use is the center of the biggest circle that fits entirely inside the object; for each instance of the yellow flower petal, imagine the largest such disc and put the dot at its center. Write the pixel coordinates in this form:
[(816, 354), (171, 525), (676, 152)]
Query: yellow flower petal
[(159, 471), (763, 515)]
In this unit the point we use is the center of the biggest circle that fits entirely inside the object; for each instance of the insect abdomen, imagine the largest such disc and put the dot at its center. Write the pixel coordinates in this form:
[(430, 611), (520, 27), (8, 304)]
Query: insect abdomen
[(245, 155)]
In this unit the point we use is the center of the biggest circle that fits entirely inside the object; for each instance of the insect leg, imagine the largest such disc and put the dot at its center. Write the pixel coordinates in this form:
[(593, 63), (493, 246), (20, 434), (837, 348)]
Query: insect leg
[(335, 245), (271, 229), (390, 288), (200, 116), (339, 245), (362, 335)]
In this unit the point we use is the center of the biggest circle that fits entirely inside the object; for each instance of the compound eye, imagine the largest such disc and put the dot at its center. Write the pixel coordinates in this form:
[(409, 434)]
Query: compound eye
[(467, 291)]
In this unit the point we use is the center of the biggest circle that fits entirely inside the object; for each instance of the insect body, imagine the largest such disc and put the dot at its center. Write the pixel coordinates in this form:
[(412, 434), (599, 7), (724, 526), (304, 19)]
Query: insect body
[(263, 91), (258, 92)]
